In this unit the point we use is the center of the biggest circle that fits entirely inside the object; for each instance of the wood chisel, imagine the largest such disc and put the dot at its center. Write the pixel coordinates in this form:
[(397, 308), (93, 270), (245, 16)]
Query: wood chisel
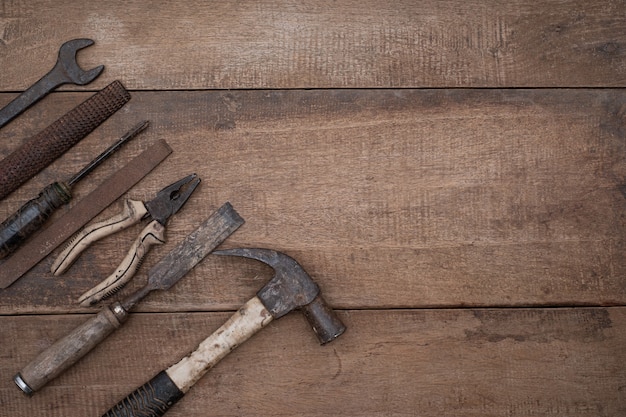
[(182, 259), (34, 213)]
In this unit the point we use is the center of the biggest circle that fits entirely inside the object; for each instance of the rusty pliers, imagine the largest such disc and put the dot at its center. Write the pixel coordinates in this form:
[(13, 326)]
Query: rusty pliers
[(166, 203)]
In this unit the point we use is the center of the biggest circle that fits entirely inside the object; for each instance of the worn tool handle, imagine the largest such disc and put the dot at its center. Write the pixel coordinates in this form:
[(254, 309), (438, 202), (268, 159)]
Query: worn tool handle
[(152, 234), (152, 399), (52, 142), (31, 216), (156, 396), (132, 213), (66, 351)]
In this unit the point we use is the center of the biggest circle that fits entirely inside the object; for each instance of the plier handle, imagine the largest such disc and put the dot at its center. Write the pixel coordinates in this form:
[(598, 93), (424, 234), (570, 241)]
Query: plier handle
[(167, 202)]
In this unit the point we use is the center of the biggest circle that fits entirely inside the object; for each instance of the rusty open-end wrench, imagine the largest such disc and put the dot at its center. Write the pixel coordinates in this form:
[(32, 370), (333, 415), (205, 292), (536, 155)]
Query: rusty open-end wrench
[(66, 71)]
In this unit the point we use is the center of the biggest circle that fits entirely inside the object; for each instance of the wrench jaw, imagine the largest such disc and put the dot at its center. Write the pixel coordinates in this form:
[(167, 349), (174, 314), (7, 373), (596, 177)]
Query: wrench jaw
[(67, 60), (88, 76)]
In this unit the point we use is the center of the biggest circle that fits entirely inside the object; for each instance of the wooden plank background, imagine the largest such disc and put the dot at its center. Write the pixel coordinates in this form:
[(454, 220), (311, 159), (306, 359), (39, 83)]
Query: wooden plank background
[(472, 238)]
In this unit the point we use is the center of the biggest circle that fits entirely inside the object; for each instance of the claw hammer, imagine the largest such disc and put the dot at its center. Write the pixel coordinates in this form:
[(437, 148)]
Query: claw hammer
[(290, 289)]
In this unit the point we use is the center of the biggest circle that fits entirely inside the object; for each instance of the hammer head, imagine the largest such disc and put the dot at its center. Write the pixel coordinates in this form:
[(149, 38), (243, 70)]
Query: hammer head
[(292, 288)]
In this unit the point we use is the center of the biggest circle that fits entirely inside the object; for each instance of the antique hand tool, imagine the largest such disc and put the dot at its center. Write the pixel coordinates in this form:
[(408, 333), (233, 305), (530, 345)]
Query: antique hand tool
[(186, 255), (34, 213), (66, 71), (49, 144), (122, 180), (166, 203), (291, 288)]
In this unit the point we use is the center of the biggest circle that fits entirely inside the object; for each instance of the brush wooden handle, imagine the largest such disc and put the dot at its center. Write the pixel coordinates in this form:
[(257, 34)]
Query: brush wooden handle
[(66, 351), (152, 234), (133, 212), (156, 396)]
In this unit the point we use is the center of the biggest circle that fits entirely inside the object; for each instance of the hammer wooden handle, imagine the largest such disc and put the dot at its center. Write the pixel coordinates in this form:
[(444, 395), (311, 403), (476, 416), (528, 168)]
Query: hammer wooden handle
[(133, 212), (152, 234), (155, 397), (66, 351)]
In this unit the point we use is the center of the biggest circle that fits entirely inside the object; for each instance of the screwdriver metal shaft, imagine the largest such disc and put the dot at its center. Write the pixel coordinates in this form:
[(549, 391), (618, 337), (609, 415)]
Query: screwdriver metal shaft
[(34, 213)]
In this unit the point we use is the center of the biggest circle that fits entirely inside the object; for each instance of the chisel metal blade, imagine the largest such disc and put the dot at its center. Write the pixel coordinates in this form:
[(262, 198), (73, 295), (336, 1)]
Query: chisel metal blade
[(189, 252)]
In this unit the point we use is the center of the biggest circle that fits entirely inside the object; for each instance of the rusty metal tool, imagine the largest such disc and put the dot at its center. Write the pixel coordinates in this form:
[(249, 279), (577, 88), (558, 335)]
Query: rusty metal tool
[(41, 245), (166, 203), (49, 144), (182, 259), (290, 289), (34, 213), (66, 71)]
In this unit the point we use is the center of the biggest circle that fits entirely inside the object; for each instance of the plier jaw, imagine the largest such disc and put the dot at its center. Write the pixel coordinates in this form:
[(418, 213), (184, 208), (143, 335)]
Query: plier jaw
[(171, 198)]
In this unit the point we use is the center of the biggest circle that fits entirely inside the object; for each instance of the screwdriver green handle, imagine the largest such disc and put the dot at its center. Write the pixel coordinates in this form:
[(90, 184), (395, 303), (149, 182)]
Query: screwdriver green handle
[(31, 216)]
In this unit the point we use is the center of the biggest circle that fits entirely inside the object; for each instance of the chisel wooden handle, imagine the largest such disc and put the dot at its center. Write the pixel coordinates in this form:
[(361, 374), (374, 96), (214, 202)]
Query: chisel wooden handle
[(155, 397), (152, 234), (31, 216), (133, 212), (66, 351)]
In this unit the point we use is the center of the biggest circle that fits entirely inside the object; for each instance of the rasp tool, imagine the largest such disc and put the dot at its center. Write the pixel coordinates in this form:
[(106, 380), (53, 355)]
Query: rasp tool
[(52, 142)]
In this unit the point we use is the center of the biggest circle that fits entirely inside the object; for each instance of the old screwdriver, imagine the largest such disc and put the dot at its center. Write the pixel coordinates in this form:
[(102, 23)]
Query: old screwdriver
[(33, 214)]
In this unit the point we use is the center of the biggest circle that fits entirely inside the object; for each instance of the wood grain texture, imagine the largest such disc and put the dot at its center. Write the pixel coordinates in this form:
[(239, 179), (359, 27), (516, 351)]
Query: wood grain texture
[(346, 43), (389, 198), (386, 147), (470, 362)]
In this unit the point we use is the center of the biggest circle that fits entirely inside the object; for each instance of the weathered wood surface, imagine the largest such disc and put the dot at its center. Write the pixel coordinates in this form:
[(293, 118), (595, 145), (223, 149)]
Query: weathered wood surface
[(403, 199), (484, 362), (410, 207), (347, 43)]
